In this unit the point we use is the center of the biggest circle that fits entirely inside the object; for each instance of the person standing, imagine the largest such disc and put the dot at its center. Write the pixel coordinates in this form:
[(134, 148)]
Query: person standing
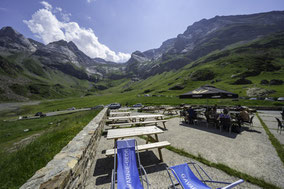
[(191, 114)]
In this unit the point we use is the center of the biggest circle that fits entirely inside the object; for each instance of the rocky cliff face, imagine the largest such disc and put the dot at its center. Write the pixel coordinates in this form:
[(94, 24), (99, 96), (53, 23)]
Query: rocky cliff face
[(12, 41), (203, 37), (61, 55)]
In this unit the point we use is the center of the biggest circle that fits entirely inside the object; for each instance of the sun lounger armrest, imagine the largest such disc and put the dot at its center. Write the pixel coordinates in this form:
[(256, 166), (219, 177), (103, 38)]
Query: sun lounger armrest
[(233, 184), (146, 178), (173, 184), (112, 179)]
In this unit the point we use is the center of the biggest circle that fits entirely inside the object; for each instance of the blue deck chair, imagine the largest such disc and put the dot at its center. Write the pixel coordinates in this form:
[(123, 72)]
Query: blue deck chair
[(187, 179), (127, 170)]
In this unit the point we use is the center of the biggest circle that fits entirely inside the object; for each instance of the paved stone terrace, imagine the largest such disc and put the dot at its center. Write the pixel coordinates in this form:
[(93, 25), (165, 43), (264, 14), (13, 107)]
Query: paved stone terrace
[(250, 152), (269, 119)]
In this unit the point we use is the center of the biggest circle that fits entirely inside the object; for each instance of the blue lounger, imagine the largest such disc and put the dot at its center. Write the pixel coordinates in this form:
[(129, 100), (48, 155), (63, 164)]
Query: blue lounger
[(127, 170), (187, 179)]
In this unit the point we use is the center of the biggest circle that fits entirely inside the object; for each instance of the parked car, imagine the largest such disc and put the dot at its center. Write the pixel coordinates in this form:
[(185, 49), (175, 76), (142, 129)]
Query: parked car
[(269, 99), (73, 108), (40, 114), (280, 99), (138, 105), (114, 106)]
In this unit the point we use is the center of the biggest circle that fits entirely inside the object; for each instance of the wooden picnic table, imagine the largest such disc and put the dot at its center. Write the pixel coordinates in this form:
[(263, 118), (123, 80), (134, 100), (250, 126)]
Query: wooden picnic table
[(171, 110), (137, 131), (120, 110), (119, 113), (135, 117)]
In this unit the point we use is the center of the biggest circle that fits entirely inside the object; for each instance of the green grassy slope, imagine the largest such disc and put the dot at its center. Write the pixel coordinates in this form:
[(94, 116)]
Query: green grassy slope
[(22, 76), (54, 133), (256, 61)]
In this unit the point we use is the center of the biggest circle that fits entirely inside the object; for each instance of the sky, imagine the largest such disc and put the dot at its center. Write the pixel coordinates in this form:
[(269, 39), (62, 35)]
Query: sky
[(113, 29)]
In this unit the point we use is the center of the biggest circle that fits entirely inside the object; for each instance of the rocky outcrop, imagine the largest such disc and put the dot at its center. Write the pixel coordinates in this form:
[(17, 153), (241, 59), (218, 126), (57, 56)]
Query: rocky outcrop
[(12, 41), (264, 82), (242, 81), (255, 91), (202, 75), (71, 167), (276, 82), (177, 87)]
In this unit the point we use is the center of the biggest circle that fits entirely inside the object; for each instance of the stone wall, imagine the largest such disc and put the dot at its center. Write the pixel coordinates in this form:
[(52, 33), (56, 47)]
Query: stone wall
[(70, 167)]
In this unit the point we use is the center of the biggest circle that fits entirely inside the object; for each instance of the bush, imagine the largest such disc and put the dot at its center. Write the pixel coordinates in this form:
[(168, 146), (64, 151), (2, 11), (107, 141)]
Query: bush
[(264, 82), (177, 87), (242, 81), (202, 75), (276, 82)]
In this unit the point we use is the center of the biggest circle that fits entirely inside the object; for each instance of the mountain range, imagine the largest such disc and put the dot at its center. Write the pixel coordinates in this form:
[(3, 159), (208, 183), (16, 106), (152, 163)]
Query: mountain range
[(251, 45)]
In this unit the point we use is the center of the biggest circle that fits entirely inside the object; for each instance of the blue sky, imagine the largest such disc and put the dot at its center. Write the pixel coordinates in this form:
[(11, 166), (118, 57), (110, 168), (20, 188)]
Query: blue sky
[(112, 29)]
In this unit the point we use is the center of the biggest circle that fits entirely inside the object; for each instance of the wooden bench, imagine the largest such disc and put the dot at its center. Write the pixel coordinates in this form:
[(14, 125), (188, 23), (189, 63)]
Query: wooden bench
[(139, 123), (142, 147)]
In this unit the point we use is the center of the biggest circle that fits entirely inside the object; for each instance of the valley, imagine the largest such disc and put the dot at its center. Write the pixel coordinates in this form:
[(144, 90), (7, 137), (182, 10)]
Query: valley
[(242, 54)]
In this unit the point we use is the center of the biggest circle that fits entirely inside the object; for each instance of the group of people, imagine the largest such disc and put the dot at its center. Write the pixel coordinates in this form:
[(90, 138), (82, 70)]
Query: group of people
[(212, 115)]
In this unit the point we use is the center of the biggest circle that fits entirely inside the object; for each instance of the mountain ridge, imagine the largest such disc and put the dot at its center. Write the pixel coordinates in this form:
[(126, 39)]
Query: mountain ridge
[(203, 37), (41, 66)]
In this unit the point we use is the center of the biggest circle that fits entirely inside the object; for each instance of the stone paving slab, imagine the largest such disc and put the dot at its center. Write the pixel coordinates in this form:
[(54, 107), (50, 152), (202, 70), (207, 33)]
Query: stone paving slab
[(156, 170), (250, 151), (268, 118)]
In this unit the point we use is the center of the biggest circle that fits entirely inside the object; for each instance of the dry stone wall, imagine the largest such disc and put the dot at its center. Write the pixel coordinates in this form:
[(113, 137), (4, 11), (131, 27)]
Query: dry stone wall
[(70, 167)]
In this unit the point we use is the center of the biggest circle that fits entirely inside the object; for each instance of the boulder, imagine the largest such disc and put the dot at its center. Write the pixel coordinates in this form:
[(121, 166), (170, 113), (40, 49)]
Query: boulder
[(264, 82), (101, 87), (276, 82), (202, 75), (242, 81), (177, 87)]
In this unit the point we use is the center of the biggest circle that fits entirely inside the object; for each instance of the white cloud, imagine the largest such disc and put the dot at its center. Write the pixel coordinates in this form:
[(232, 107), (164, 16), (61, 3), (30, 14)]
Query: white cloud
[(58, 9), (46, 26), (66, 16), (46, 5), (89, 1)]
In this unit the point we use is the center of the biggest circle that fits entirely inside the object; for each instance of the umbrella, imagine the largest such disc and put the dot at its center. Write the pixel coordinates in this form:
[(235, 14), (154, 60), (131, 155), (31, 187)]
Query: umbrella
[(208, 91)]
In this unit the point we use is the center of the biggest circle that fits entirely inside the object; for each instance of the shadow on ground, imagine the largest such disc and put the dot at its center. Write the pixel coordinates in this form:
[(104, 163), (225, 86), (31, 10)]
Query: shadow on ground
[(235, 129), (104, 166)]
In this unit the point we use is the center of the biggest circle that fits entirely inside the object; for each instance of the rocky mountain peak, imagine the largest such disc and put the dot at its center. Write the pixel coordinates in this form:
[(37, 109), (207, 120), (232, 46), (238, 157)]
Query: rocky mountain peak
[(11, 40), (72, 45), (138, 53), (10, 32), (58, 43)]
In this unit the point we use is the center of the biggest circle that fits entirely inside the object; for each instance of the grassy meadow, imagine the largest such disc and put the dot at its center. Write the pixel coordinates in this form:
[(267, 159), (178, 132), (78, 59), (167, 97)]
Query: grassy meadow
[(20, 159)]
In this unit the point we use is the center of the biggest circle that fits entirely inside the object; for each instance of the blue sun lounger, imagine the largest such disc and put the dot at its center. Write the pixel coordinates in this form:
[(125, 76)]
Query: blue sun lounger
[(127, 170), (187, 179)]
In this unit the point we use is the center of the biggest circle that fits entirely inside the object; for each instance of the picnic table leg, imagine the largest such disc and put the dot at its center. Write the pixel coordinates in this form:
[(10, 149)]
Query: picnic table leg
[(164, 123), (159, 149), (147, 141), (114, 143)]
